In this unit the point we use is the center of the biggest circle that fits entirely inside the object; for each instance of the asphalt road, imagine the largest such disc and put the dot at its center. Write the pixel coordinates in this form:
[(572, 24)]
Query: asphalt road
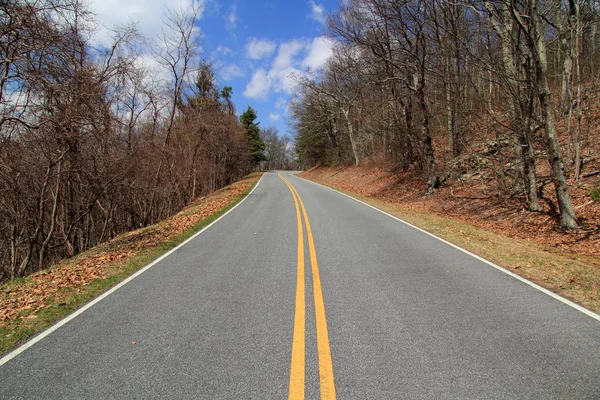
[(403, 315)]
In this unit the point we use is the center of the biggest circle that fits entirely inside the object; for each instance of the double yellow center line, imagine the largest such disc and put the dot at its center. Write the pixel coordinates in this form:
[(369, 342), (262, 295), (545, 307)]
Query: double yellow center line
[(297, 374)]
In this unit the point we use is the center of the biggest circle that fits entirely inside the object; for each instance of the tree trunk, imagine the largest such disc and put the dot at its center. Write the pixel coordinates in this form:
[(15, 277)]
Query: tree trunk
[(576, 53), (538, 49), (407, 139), (44, 247), (566, 96), (519, 116), (428, 159), (449, 111), (345, 113)]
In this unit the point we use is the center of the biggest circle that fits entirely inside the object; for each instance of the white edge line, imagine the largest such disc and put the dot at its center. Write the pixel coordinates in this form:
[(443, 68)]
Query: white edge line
[(93, 302), (520, 278)]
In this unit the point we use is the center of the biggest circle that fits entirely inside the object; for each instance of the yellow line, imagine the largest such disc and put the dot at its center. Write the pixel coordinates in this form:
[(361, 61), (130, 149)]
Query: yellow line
[(323, 347), (296, 391)]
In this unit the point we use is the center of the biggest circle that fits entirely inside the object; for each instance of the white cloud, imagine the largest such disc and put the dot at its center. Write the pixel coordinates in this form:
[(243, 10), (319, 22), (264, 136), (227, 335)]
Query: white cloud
[(153, 69), (281, 103), (284, 79), (224, 51), (287, 52), (317, 12), (232, 18), (259, 48), (259, 86), (321, 49), (274, 117), (230, 71), (292, 57), (146, 14)]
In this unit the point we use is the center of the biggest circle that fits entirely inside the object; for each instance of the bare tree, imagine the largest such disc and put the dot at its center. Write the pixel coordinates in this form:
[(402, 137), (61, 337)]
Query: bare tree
[(530, 20), (342, 85), (276, 149), (176, 52), (426, 71), (80, 127), (396, 34)]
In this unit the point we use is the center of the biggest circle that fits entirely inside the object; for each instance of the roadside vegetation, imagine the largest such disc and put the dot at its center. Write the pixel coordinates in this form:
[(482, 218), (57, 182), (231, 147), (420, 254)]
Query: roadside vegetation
[(32, 303), (476, 120), (499, 97), (102, 137)]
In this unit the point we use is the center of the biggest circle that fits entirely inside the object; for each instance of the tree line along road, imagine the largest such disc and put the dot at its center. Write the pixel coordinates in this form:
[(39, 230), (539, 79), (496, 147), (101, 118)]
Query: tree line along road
[(302, 292)]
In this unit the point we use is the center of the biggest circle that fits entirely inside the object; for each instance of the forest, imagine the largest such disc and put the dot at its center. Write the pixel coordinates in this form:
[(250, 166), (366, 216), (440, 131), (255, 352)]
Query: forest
[(503, 89), (95, 142)]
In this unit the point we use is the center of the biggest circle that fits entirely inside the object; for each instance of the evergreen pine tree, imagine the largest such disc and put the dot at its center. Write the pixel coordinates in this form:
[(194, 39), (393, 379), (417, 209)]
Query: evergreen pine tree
[(256, 146)]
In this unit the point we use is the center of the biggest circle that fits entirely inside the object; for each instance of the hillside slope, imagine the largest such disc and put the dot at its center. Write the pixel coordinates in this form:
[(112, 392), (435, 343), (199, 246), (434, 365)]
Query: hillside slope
[(465, 202)]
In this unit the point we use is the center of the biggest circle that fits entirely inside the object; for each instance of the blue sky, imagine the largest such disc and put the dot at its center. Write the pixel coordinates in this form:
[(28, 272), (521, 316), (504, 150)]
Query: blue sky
[(255, 46)]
